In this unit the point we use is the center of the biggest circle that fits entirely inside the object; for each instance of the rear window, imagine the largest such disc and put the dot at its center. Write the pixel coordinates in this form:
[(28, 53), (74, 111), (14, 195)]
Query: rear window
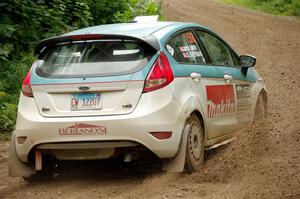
[(94, 58)]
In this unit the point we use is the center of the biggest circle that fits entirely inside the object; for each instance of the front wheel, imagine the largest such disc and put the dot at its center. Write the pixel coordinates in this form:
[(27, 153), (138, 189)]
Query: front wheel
[(195, 145)]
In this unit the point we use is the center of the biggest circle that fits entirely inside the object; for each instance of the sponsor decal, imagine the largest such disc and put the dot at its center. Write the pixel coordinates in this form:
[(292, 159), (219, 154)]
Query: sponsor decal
[(220, 100), (243, 91), (170, 50), (184, 48), (82, 129), (191, 52), (190, 37), (243, 94)]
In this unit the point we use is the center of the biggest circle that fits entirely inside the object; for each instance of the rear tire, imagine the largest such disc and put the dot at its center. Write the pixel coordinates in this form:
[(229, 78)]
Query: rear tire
[(195, 145), (35, 178)]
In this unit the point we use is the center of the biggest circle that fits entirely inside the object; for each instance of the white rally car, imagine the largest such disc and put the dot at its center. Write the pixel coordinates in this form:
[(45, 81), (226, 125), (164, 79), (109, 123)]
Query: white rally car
[(171, 88)]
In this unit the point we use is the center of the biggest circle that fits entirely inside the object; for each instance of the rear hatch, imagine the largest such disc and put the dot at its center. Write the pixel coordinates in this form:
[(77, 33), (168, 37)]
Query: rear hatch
[(91, 77)]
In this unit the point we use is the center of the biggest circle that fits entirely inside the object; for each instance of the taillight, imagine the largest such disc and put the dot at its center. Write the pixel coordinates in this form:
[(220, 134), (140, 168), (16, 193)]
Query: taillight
[(86, 37), (26, 88), (160, 75)]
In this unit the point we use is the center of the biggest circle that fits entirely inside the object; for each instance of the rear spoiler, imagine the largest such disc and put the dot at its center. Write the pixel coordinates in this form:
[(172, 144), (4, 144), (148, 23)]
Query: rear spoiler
[(151, 40)]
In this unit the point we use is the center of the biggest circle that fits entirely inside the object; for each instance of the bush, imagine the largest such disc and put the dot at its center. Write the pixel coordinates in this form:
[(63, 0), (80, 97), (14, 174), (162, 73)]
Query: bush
[(7, 116), (24, 22), (12, 73), (123, 10)]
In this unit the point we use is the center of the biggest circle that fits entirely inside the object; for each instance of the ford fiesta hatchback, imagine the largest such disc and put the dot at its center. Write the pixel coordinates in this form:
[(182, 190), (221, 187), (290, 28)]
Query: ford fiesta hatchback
[(171, 88)]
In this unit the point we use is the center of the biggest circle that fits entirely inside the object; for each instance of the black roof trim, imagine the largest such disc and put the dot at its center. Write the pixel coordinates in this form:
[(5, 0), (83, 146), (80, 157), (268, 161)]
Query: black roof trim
[(149, 39)]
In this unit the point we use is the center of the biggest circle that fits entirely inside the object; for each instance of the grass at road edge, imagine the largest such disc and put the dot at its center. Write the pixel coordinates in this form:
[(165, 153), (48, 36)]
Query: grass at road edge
[(276, 7), (5, 135)]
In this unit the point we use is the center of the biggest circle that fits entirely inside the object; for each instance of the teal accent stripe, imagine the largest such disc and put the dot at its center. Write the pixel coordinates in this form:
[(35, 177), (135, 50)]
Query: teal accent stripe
[(216, 72), (185, 70)]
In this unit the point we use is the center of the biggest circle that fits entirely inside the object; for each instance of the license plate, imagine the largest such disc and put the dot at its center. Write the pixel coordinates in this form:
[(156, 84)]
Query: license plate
[(86, 101)]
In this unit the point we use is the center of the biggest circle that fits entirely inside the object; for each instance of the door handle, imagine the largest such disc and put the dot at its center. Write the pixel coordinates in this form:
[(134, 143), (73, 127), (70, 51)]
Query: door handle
[(196, 76), (228, 78)]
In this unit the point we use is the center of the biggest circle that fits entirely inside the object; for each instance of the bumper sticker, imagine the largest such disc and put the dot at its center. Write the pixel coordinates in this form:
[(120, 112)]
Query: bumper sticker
[(82, 129)]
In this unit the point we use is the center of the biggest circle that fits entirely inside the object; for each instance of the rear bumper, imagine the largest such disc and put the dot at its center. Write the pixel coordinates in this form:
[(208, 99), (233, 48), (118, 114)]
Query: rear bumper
[(156, 111)]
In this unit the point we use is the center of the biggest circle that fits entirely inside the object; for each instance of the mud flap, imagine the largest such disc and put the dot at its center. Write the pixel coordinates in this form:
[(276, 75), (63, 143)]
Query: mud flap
[(177, 163), (16, 167)]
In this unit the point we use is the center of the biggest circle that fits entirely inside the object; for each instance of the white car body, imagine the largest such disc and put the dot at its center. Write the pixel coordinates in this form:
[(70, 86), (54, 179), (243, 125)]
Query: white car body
[(46, 123)]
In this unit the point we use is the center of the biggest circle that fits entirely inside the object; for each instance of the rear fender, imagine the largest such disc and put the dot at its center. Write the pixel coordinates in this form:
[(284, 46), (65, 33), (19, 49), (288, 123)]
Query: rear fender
[(190, 106)]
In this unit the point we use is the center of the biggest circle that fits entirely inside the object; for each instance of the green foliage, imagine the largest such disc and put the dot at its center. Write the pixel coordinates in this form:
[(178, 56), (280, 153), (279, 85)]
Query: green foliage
[(5, 135), (25, 22), (279, 7), (136, 8), (7, 116), (12, 73), (104, 10)]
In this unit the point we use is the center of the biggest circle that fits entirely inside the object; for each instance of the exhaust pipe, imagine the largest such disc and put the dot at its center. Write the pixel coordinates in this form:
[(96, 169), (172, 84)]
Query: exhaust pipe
[(38, 160)]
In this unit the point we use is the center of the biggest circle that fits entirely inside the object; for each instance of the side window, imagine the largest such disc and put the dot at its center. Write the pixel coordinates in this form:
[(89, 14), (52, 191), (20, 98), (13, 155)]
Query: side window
[(185, 49), (218, 52)]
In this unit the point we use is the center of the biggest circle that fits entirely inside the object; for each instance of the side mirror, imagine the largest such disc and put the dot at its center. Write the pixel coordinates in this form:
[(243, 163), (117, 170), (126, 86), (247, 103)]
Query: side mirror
[(247, 61)]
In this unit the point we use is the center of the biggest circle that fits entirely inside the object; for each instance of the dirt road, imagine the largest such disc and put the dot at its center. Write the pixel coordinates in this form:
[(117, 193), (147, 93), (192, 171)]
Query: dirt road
[(263, 162)]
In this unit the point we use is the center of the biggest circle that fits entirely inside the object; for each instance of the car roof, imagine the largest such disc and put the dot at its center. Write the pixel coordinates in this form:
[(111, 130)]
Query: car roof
[(132, 29)]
